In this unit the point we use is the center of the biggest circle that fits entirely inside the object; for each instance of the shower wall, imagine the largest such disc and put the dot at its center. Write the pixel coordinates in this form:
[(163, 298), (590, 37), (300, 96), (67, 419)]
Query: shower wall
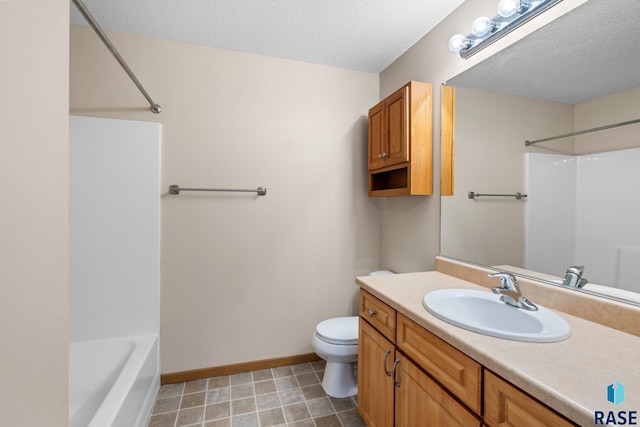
[(114, 221), (581, 212)]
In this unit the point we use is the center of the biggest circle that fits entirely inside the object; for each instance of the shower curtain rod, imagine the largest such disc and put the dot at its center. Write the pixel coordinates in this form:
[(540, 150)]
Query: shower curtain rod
[(155, 108), (580, 132)]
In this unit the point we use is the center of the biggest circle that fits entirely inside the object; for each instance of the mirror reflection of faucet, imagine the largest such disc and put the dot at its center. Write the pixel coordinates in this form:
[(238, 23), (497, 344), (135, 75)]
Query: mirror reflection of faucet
[(573, 277), (510, 292)]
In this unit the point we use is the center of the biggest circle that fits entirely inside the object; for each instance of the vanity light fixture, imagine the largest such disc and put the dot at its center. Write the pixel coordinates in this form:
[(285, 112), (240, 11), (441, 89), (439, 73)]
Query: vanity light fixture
[(482, 26), (484, 30)]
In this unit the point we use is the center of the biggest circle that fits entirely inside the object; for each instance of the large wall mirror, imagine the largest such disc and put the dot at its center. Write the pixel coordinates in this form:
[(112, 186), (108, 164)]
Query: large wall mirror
[(582, 204)]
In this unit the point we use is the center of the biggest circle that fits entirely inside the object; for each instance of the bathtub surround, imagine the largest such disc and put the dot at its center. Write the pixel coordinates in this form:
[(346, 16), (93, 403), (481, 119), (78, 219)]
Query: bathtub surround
[(114, 215), (578, 189), (114, 223)]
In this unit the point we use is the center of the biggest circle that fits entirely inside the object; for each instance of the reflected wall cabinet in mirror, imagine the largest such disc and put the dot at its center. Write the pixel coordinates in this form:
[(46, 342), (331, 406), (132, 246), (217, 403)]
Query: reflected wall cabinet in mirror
[(400, 143), (555, 116)]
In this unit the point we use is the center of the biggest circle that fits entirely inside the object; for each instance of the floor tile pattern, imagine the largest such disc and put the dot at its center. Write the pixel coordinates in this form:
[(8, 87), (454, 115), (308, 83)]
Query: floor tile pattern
[(290, 396)]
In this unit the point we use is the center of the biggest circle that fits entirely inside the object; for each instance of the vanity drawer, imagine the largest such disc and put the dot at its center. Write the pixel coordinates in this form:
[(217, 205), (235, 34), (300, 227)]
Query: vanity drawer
[(378, 314), (457, 372), (506, 405)]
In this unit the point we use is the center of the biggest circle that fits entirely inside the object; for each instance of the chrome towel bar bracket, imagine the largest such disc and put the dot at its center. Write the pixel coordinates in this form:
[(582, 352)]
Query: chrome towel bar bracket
[(176, 189)]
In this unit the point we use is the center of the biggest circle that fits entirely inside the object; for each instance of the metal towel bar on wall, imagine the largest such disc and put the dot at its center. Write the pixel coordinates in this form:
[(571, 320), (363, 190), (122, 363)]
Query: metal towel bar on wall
[(176, 189), (518, 196)]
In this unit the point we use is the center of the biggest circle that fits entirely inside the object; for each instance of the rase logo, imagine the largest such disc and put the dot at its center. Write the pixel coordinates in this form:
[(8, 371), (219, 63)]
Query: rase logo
[(615, 395)]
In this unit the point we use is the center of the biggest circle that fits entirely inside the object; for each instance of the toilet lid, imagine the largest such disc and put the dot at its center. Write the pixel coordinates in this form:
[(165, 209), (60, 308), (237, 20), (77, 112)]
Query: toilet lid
[(339, 330)]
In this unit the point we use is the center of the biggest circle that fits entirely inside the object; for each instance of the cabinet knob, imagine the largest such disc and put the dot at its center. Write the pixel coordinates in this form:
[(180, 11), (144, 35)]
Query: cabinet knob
[(372, 312), (384, 155)]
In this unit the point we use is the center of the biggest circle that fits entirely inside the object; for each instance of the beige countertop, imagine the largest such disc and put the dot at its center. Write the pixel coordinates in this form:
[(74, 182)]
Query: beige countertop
[(570, 376)]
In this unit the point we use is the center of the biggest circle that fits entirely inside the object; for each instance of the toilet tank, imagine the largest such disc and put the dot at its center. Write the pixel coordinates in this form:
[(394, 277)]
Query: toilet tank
[(381, 273)]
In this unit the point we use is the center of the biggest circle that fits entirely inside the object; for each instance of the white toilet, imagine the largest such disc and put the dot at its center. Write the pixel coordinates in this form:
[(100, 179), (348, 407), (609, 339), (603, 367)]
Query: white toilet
[(336, 341)]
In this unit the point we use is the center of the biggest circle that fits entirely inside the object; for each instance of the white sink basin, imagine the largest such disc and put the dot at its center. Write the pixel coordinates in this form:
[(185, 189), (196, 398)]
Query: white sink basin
[(483, 312)]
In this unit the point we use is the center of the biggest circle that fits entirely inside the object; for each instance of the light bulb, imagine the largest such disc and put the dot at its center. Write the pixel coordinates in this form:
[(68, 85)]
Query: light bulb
[(458, 42), (482, 26), (507, 8)]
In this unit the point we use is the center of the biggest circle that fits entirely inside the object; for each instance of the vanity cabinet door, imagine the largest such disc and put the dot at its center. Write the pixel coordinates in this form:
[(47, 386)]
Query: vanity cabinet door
[(507, 406), (456, 371), (376, 356), (420, 401)]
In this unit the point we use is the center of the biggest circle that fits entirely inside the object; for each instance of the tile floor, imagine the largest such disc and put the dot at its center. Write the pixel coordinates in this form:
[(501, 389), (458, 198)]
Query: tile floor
[(287, 396)]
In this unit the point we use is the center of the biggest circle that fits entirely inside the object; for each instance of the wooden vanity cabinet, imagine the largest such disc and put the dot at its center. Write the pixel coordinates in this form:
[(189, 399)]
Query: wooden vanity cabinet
[(409, 377), (400, 142), (392, 389)]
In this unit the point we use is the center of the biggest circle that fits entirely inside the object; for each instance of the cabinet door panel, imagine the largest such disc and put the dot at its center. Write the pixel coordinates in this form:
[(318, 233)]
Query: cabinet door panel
[(377, 136), (420, 401), (398, 127), (507, 406), (375, 387), (456, 371)]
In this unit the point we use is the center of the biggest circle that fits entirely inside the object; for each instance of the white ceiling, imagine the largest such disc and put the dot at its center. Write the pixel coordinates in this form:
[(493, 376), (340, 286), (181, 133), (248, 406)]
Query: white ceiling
[(363, 35)]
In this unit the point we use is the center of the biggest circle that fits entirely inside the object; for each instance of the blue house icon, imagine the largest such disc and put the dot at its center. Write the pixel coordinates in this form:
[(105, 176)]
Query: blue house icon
[(615, 393)]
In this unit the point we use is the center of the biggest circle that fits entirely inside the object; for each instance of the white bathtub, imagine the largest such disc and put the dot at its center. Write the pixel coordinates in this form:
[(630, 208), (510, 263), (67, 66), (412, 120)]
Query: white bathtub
[(113, 382)]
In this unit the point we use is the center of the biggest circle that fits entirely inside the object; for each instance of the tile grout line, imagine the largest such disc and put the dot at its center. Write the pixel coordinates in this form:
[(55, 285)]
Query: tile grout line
[(175, 423), (273, 375)]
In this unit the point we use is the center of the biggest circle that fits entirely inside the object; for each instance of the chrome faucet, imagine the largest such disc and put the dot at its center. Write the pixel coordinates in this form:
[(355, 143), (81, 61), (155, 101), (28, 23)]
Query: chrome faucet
[(510, 292), (573, 277)]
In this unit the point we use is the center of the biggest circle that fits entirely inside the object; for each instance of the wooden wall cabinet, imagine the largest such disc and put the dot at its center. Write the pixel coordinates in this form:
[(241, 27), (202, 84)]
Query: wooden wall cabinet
[(409, 377), (400, 143)]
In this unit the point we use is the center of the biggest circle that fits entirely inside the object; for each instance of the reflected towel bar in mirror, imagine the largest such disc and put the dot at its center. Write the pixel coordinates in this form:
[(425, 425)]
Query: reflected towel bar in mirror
[(518, 196), (176, 189)]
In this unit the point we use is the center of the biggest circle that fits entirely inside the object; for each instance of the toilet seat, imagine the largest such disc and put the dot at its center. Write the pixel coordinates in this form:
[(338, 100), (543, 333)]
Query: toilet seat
[(339, 330)]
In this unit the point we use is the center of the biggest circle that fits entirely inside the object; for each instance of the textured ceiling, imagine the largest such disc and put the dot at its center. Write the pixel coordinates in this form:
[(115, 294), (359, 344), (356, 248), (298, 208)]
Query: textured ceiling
[(590, 52), (363, 35)]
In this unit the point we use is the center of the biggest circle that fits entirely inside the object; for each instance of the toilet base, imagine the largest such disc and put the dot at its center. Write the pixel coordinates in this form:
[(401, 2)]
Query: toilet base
[(340, 379)]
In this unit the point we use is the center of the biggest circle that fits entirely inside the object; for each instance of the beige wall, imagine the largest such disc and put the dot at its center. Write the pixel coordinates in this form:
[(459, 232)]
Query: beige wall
[(615, 108), (34, 310), (410, 227), (243, 277)]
